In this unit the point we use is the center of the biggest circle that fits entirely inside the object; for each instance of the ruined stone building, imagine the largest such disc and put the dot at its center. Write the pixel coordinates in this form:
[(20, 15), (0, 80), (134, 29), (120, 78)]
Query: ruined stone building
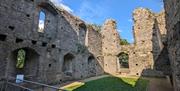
[(53, 53), (149, 29), (67, 49), (172, 14), (60, 47)]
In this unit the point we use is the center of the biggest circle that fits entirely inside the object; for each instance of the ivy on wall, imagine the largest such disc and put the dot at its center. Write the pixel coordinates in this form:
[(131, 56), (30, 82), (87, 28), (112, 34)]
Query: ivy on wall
[(20, 58), (123, 60)]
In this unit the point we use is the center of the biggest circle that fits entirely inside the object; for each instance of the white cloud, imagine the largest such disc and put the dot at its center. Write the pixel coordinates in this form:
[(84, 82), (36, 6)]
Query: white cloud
[(59, 3), (65, 7), (119, 30), (91, 11)]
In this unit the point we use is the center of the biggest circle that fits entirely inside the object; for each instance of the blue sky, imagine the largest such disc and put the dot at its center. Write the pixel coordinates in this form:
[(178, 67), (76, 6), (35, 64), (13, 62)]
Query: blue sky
[(97, 11)]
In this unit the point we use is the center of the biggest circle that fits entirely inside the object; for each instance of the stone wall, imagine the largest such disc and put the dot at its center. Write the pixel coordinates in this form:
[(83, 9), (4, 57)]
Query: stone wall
[(69, 50), (58, 54), (110, 45), (148, 30), (148, 41), (77, 24), (172, 15), (94, 44), (160, 17)]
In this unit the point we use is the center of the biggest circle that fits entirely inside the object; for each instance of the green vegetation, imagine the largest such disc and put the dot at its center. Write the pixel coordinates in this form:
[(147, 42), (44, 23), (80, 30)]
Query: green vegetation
[(20, 58), (123, 60), (73, 86), (124, 42), (112, 84)]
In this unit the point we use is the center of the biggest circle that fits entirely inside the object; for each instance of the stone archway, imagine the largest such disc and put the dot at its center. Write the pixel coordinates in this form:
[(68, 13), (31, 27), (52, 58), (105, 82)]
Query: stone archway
[(68, 64), (30, 65), (91, 66)]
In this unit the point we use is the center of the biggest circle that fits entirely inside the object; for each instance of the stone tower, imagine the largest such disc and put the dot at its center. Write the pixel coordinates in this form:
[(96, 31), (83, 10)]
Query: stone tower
[(110, 45), (148, 41)]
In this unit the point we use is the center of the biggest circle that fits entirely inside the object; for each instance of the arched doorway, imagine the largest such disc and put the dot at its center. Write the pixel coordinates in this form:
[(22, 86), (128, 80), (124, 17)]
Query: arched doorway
[(91, 66), (23, 61), (123, 60), (68, 64)]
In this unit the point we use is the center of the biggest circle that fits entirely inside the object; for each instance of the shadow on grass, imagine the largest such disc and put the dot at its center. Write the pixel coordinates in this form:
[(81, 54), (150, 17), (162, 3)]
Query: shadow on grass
[(113, 84)]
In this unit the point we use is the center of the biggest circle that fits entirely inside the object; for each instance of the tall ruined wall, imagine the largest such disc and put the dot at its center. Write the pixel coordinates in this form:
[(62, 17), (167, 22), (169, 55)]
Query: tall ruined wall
[(148, 42), (93, 42), (58, 48), (148, 30), (94, 45), (110, 45), (172, 10), (110, 37), (160, 17), (20, 27), (143, 29)]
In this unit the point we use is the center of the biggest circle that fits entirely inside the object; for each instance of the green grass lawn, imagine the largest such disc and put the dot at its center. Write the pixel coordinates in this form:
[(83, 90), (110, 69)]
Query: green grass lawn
[(111, 84)]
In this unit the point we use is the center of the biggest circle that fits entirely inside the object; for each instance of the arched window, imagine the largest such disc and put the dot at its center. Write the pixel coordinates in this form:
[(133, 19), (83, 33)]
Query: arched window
[(68, 64), (42, 19), (90, 59), (91, 66), (123, 60), (21, 56)]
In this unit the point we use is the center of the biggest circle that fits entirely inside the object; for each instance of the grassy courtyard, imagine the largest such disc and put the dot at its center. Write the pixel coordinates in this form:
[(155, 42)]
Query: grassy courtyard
[(110, 84)]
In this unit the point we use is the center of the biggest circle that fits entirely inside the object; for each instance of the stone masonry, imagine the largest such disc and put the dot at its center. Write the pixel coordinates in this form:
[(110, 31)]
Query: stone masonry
[(148, 30), (110, 46), (56, 55), (67, 49), (172, 14)]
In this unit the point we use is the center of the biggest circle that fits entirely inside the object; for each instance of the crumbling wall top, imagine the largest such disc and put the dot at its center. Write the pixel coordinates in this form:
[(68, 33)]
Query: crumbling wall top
[(160, 17), (75, 21), (111, 23), (142, 13)]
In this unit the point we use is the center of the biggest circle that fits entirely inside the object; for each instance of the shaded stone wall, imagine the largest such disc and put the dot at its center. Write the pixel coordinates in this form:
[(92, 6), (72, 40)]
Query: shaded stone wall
[(77, 24), (94, 44), (63, 35), (160, 17), (172, 8)]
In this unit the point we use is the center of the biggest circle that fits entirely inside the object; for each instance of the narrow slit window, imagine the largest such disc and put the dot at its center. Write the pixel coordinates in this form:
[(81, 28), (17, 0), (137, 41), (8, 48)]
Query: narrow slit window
[(42, 18)]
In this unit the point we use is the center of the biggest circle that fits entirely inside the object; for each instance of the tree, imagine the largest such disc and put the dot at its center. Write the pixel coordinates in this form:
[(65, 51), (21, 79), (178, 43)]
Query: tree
[(123, 60), (124, 42)]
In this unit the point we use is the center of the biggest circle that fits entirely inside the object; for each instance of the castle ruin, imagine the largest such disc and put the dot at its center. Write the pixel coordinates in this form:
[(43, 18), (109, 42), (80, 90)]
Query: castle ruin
[(64, 48)]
